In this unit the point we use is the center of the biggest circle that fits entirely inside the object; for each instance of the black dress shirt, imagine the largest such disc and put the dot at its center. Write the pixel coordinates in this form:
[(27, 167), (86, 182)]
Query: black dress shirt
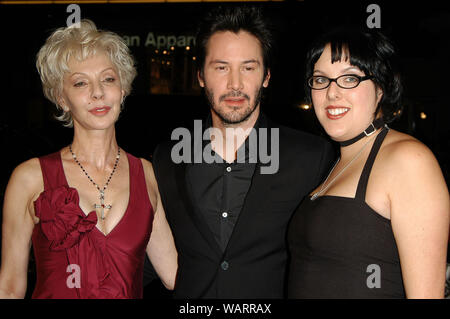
[(219, 189)]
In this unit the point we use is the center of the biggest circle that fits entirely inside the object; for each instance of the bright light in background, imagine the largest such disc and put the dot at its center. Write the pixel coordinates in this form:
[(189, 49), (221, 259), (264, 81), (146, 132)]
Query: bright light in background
[(423, 116), (398, 113), (304, 106)]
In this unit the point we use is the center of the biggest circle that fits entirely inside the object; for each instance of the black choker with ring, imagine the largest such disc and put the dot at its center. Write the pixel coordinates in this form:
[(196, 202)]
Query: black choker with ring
[(373, 127)]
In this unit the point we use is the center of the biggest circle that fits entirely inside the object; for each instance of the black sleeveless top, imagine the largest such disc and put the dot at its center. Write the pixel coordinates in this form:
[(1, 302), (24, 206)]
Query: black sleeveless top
[(341, 248)]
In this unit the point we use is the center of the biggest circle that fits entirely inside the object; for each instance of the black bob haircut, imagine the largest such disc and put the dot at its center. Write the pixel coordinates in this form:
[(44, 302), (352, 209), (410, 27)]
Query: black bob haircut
[(370, 51), (234, 19)]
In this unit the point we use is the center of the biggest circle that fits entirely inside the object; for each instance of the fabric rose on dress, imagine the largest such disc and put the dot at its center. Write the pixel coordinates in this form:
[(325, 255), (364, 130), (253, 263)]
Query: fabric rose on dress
[(61, 218)]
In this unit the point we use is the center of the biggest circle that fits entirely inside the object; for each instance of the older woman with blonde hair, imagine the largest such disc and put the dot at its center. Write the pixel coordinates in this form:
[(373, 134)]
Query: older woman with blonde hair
[(90, 210)]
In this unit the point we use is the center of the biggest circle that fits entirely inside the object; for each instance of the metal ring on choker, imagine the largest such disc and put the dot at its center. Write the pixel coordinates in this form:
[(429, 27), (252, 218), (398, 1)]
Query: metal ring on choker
[(373, 127)]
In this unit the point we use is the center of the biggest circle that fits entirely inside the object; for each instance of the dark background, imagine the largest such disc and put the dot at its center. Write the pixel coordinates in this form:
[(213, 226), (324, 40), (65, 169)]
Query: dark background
[(27, 128)]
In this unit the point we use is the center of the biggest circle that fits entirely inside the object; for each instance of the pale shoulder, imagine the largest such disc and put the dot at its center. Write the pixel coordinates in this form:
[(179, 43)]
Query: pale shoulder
[(404, 152), (409, 166), (29, 175), (24, 187)]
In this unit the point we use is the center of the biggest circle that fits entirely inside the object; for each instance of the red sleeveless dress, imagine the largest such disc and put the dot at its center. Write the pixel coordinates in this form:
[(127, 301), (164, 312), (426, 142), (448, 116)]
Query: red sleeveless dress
[(76, 260)]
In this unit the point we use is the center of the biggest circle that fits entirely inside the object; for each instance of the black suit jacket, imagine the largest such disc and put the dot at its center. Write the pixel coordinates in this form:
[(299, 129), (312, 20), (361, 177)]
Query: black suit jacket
[(254, 263)]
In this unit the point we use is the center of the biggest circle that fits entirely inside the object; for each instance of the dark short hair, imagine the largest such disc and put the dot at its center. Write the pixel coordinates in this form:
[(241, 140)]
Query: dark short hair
[(370, 51), (234, 19)]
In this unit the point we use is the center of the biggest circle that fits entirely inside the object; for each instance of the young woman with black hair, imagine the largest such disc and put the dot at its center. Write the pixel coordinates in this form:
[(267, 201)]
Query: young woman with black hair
[(378, 226)]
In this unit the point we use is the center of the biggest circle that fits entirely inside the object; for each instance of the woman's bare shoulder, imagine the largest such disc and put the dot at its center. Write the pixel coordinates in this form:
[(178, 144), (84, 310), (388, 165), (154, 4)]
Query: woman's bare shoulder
[(24, 187), (407, 160), (28, 174), (402, 149)]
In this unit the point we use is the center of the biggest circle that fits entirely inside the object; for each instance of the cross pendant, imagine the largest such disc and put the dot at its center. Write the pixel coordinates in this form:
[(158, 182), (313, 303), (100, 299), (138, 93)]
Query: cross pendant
[(102, 204)]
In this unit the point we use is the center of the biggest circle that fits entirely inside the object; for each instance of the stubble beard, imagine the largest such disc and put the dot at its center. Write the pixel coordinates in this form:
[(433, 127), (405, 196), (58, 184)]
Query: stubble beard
[(235, 116)]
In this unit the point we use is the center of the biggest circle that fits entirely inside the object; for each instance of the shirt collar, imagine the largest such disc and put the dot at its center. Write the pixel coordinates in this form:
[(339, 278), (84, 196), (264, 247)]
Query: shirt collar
[(261, 121)]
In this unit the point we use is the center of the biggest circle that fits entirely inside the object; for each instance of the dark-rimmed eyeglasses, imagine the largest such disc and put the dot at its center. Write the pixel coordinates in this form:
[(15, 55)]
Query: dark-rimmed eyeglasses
[(346, 81)]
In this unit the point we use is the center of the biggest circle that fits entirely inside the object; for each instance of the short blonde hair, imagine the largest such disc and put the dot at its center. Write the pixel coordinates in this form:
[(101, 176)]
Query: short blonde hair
[(80, 41)]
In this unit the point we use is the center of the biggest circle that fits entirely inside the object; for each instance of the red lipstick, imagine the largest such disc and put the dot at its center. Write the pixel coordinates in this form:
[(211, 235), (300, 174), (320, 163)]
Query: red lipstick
[(336, 112), (100, 111)]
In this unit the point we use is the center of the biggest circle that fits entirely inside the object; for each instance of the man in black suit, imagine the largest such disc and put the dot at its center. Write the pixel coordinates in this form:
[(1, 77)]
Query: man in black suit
[(229, 197)]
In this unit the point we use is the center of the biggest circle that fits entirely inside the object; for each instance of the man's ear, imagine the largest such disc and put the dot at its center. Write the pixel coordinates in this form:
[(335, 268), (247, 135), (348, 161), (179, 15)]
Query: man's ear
[(266, 79), (201, 82)]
